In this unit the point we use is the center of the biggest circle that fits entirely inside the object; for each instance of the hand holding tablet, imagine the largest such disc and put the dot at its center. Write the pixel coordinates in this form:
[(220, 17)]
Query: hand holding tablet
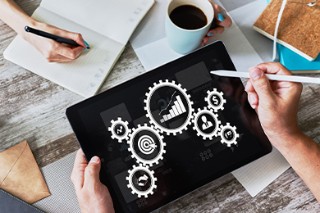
[(169, 131)]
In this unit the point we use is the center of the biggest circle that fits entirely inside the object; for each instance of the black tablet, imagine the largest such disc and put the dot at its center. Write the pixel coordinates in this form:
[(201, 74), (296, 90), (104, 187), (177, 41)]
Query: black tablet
[(170, 130)]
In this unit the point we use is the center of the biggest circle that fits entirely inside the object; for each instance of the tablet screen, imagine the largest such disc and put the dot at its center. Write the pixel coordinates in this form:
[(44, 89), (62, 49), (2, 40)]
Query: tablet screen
[(170, 130)]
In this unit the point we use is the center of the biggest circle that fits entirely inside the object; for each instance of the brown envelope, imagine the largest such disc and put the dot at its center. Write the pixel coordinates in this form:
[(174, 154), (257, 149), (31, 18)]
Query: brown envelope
[(20, 174)]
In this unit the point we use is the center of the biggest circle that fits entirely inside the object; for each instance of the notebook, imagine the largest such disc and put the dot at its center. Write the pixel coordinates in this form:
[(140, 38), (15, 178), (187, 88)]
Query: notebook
[(105, 24), (298, 29), (296, 63), (290, 56), (12, 204)]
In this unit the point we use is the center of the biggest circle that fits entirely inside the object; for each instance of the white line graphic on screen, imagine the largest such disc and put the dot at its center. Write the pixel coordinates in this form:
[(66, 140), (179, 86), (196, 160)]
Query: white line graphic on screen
[(177, 109), (146, 144), (172, 96)]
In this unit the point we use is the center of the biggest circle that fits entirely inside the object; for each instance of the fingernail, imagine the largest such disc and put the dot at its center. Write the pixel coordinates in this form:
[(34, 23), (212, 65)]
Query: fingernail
[(256, 74), (210, 34), (95, 159), (87, 45), (246, 87), (220, 17), (251, 100)]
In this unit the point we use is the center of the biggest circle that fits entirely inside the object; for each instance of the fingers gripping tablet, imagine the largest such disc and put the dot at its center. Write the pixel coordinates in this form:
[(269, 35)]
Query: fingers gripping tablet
[(169, 131)]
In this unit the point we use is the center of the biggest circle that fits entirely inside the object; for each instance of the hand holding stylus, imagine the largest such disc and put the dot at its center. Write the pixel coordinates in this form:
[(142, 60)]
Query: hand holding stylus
[(276, 102), (53, 51)]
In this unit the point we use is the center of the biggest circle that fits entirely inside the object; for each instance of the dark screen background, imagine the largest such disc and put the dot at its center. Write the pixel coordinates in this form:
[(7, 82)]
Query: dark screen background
[(189, 161)]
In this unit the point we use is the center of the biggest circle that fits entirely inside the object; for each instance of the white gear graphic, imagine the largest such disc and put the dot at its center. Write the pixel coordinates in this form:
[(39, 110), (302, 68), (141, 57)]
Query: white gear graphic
[(220, 95), (153, 122), (225, 140), (153, 180), (196, 117), (114, 134), (136, 156)]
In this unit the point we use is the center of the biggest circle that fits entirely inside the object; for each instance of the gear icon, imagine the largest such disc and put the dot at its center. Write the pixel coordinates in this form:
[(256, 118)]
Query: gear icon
[(141, 181), (119, 129), (215, 100), (146, 145), (206, 123), (229, 134), (179, 107)]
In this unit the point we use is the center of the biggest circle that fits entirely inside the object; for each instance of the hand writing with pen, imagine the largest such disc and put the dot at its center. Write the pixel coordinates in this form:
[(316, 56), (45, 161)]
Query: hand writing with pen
[(52, 50)]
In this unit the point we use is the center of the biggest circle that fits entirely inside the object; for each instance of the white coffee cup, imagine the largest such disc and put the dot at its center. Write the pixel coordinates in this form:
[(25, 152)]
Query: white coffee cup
[(182, 40)]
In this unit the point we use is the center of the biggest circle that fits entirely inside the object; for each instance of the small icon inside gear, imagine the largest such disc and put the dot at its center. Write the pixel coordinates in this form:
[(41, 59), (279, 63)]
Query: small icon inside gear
[(168, 107), (215, 100), (119, 129), (141, 181), (228, 134), (206, 123), (146, 145)]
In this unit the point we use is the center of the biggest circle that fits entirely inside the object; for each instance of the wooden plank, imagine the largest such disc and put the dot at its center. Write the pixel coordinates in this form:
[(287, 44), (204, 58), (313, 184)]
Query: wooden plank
[(33, 108)]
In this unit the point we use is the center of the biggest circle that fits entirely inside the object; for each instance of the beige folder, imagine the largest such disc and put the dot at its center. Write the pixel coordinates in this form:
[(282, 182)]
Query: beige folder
[(20, 174)]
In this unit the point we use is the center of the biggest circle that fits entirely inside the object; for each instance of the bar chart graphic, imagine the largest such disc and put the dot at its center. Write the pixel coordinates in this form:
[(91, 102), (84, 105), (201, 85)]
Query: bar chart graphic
[(176, 109)]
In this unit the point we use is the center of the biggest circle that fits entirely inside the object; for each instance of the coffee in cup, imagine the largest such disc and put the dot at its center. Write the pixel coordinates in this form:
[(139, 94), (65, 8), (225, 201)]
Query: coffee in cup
[(188, 17), (187, 22)]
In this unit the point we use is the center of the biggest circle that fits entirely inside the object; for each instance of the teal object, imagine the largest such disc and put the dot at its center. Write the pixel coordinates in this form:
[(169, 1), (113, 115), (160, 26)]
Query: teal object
[(294, 61), (220, 17), (87, 45)]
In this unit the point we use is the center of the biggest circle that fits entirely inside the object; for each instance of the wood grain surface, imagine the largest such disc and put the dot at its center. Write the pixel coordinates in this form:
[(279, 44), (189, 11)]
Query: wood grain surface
[(33, 108)]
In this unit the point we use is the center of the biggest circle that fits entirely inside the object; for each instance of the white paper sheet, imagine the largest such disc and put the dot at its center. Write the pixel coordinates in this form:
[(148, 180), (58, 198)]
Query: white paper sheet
[(102, 25), (259, 174), (153, 51), (115, 19), (244, 17), (82, 76)]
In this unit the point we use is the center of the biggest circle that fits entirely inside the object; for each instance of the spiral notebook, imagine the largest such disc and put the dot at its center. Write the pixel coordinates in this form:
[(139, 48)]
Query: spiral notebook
[(105, 24)]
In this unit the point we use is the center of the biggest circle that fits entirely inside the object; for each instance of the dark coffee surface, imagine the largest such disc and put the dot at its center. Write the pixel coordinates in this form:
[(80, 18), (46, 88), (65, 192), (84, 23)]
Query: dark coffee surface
[(188, 17)]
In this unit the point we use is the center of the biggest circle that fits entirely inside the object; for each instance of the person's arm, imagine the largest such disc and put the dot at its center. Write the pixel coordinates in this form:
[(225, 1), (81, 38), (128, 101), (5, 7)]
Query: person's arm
[(92, 195), (276, 104), (303, 154), (53, 51)]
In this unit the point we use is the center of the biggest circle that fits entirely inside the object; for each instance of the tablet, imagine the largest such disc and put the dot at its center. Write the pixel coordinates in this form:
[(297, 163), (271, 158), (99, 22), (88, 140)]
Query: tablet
[(169, 131)]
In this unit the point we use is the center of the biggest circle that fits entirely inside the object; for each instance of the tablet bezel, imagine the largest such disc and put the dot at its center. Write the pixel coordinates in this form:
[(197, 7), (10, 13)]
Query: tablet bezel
[(77, 125)]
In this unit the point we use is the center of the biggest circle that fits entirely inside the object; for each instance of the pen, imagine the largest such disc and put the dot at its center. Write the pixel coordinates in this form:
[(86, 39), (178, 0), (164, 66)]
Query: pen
[(291, 78), (54, 37)]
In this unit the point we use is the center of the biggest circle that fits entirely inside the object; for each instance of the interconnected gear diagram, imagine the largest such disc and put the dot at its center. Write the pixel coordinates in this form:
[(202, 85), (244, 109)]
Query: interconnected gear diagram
[(181, 106), (146, 143)]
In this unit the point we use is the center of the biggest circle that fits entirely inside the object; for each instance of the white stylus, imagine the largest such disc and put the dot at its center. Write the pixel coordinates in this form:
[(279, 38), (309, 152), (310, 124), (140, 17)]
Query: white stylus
[(291, 78)]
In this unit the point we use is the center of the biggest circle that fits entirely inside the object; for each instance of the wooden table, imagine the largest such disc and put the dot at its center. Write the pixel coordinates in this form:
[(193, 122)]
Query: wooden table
[(33, 108)]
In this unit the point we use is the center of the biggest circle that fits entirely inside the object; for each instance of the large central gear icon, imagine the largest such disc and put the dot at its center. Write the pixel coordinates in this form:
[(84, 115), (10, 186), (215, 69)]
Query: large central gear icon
[(229, 134), (146, 145), (119, 129), (209, 121), (141, 181), (178, 108), (215, 100)]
